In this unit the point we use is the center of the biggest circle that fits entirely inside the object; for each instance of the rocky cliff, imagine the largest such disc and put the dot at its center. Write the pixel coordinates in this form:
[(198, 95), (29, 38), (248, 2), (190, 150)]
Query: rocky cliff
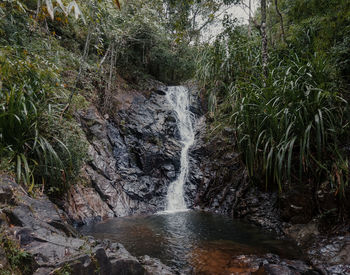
[(134, 155)]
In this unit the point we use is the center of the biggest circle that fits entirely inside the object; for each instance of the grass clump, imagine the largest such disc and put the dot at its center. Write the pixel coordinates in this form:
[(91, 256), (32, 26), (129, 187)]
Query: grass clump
[(34, 145), (291, 127)]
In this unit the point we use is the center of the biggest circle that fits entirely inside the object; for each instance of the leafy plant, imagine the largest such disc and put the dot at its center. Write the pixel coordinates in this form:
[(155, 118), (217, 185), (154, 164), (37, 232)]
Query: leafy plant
[(290, 128), (294, 116), (71, 7), (30, 97), (19, 260)]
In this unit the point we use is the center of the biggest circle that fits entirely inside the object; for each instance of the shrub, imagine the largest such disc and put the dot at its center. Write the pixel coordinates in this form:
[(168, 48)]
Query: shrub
[(289, 128), (31, 104)]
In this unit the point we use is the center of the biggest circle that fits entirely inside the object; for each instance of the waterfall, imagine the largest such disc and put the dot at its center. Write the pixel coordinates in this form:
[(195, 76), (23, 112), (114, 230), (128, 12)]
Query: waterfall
[(178, 97)]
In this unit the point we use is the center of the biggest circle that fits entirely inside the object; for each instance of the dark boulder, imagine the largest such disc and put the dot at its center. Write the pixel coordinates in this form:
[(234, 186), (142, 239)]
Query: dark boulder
[(41, 230)]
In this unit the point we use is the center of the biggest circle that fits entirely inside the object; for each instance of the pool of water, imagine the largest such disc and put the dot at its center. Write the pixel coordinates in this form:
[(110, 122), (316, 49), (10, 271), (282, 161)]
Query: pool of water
[(186, 239)]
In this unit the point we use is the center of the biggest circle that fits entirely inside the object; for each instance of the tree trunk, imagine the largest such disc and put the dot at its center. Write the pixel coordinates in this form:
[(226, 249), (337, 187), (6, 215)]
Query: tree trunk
[(250, 19), (281, 20), (264, 39)]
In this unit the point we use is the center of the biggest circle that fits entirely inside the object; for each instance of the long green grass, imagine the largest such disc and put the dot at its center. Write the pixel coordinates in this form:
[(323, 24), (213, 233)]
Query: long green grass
[(292, 128), (24, 105), (37, 144), (289, 128)]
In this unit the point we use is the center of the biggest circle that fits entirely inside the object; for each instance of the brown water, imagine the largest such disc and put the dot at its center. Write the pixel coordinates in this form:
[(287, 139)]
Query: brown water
[(197, 239)]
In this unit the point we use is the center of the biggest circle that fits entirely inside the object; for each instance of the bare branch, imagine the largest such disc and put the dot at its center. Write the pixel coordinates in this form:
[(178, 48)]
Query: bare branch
[(281, 20)]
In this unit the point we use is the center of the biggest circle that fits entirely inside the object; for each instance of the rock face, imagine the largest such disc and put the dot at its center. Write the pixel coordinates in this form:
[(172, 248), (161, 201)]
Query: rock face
[(221, 182), (53, 244), (331, 255), (104, 196), (134, 157), (147, 149)]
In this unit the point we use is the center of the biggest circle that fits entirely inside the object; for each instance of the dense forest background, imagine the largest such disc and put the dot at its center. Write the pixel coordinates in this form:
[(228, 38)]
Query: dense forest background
[(281, 82)]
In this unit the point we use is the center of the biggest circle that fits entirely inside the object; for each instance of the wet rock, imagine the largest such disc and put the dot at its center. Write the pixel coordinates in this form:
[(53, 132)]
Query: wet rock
[(150, 149), (42, 231), (84, 204), (273, 265), (133, 158), (121, 262), (49, 249), (219, 178), (101, 193), (156, 267), (221, 184), (30, 220), (160, 92), (331, 254), (43, 271), (169, 171), (260, 208), (296, 206), (302, 233), (46, 243), (102, 261)]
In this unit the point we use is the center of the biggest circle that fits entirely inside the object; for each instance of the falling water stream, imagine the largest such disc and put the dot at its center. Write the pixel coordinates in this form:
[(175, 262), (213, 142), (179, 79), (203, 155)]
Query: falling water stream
[(184, 239), (178, 97)]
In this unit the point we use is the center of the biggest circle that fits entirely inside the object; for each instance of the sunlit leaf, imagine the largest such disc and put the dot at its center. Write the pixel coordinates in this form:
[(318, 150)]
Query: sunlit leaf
[(77, 12), (59, 2), (49, 7)]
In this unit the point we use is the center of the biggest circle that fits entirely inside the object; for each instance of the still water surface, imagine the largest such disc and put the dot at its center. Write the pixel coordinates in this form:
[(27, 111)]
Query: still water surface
[(186, 238)]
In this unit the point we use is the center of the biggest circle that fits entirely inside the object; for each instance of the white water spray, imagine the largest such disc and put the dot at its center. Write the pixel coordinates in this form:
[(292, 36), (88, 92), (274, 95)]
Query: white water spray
[(178, 97)]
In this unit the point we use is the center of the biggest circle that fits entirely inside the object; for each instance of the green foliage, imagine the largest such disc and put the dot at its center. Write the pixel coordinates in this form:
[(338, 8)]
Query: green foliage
[(141, 42), (70, 8), (220, 64), (187, 18), (291, 127), (21, 101), (31, 108), (20, 262), (320, 26), (71, 147)]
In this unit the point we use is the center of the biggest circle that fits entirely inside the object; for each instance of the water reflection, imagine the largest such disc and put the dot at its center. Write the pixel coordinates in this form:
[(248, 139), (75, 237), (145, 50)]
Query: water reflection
[(184, 238)]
